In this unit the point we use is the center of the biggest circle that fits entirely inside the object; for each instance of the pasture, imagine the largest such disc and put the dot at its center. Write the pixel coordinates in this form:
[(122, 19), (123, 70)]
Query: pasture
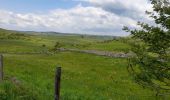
[(29, 68)]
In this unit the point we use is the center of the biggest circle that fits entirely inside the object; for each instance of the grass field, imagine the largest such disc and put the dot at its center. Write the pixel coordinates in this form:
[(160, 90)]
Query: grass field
[(29, 70)]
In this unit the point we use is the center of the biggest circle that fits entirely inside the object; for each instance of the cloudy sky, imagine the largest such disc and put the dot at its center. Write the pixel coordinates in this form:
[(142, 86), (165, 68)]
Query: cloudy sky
[(100, 17)]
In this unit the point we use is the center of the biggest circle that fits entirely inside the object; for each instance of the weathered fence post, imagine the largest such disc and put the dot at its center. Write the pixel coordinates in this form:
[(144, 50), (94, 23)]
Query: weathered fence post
[(57, 83), (1, 67)]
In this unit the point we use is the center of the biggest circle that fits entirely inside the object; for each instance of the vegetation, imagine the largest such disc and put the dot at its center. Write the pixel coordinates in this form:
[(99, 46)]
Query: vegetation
[(5, 34), (151, 65), (29, 70)]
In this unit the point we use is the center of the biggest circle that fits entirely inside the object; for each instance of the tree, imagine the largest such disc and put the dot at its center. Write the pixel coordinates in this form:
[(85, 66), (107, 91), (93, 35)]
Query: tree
[(57, 45), (150, 65)]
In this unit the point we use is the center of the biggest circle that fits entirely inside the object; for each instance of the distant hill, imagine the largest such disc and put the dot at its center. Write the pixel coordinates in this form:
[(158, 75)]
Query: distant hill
[(104, 37), (13, 34), (9, 34)]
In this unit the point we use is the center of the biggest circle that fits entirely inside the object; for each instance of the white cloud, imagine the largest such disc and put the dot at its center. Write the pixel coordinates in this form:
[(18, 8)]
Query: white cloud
[(136, 5), (95, 19), (130, 8), (78, 19)]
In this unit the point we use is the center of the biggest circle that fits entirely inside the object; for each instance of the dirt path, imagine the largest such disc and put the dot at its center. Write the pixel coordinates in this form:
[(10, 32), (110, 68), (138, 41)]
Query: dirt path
[(100, 53)]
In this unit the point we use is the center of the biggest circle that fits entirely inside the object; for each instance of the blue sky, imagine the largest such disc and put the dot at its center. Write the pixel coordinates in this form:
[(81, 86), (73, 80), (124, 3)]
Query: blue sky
[(100, 17), (36, 5)]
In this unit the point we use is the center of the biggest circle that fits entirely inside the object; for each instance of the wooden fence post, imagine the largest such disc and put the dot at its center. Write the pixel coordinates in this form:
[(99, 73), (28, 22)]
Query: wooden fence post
[(1, 67), (57, 83)]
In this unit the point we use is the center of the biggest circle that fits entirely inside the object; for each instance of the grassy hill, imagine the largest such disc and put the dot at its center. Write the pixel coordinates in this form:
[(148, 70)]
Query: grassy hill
[(6, 34), (29, 68)]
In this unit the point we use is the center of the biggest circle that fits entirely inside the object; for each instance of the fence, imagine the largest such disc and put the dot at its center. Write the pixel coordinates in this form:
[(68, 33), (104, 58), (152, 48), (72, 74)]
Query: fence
[(57, 83), (57, 79), (1, 67)]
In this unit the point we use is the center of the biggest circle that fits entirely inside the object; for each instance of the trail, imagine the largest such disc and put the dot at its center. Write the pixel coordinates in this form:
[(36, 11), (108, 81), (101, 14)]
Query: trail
[(99, 53)]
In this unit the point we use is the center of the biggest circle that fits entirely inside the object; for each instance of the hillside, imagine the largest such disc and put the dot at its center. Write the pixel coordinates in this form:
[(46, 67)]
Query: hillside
[(7, 34), (30, 61)]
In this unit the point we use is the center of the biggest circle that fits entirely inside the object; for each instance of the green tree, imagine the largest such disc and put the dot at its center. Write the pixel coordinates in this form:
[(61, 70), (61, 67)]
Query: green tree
[(150, 65), (57, 45)]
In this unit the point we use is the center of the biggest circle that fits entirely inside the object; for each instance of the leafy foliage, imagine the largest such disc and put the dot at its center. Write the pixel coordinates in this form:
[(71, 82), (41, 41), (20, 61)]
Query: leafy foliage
[(150, 65)]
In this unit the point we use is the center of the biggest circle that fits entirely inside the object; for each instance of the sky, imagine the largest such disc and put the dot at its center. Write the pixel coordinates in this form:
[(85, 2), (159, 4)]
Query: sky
[(97, 17)]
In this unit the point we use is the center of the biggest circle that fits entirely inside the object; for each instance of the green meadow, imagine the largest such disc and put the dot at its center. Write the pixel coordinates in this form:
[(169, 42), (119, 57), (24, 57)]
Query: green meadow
[(30, 65)]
